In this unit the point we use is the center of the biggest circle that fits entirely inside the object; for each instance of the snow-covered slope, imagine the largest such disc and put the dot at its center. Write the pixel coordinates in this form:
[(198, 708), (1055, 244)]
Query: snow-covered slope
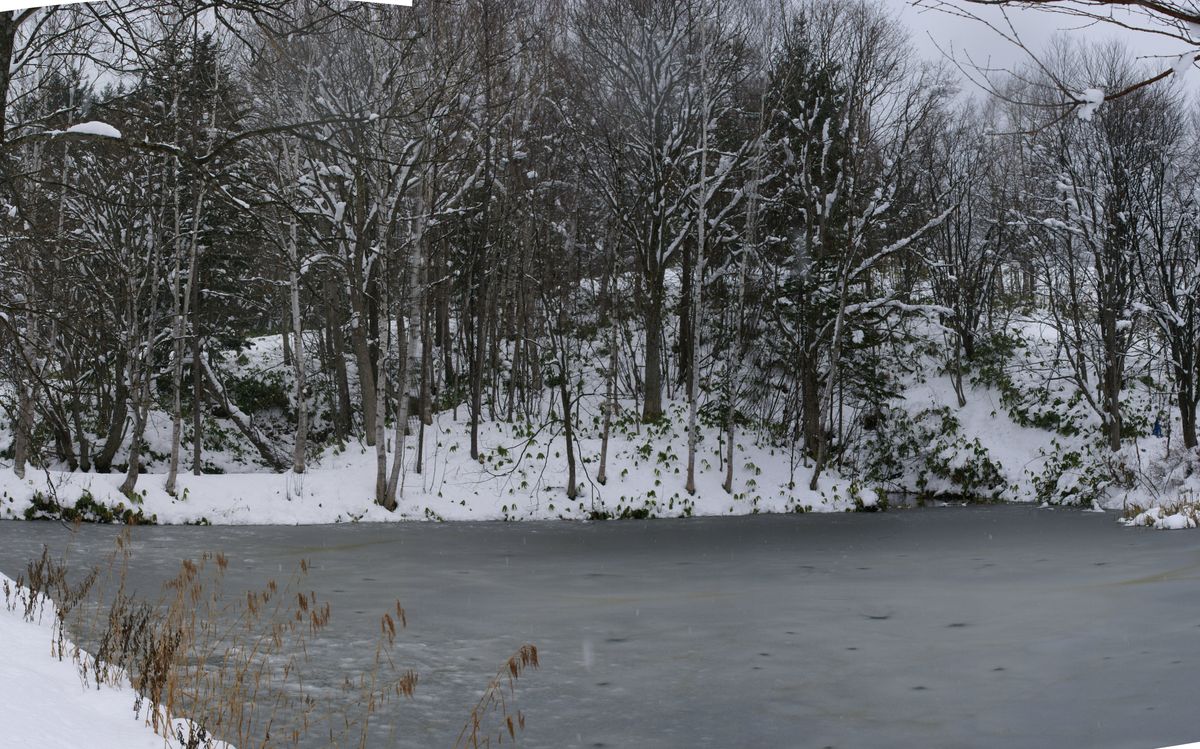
[(521, 474), (1021, 436)]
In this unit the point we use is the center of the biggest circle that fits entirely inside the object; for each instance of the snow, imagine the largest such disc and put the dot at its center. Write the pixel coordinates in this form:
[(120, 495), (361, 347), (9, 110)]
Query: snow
[(1020, 451), (521, 472), (1091, 99), (518, 478), (102, 129), (1165, 519), (44, 703), (1184, 65)]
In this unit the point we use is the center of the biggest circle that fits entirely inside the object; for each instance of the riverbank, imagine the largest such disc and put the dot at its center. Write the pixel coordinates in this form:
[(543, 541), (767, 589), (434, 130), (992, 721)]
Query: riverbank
[(995, 446), (520, 475), (45, 701)]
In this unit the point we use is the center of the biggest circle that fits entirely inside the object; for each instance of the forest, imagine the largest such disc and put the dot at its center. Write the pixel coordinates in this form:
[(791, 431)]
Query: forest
[(762, 252)]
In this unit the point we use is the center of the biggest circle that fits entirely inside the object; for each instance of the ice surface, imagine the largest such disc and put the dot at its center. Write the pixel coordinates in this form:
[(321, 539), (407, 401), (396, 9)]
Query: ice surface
[(986, 626)]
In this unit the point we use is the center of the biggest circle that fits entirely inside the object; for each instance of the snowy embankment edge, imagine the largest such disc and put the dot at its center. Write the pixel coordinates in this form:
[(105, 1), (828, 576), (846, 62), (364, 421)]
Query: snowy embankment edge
[(519, 475), (1164, 518), (39, 673), (328, 496)]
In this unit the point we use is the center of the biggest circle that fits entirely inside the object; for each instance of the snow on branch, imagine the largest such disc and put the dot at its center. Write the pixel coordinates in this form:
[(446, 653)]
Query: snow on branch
[(95, 127), (900, 244)]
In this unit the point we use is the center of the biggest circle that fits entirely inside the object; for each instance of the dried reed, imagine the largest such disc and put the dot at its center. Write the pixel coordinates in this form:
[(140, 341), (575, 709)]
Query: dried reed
[(233, 665)]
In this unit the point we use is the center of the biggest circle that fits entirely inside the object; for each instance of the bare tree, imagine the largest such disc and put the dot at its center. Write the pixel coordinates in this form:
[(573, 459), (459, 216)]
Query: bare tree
[(1166, 19)]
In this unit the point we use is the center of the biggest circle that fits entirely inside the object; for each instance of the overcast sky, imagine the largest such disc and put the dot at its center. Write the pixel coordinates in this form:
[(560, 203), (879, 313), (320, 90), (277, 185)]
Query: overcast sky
[(932, 28)]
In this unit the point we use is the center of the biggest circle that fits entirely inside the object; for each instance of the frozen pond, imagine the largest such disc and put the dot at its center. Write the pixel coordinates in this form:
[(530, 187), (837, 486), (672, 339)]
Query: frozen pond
[(990, 626)]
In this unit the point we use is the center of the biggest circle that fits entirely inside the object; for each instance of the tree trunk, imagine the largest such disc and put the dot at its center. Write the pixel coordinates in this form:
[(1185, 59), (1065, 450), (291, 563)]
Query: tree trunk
[(610, 404), (1187, 401), (446, 341), (197, 390), (409, 331), (141, 407), (810, 404), (361, 343), (85, 456), (1111, 381), (564, 389), (697, 283), (477, 360), (956, 370), (63, 445), (285, 336), (22, 439), (687, 323), (176, 390), (652, 409), (300, 447), (825, 400), (1183, 355), (182, 305), (427, 365), (117, 422), (381, 477), (8, 35), (337, 355), (1187, 415)]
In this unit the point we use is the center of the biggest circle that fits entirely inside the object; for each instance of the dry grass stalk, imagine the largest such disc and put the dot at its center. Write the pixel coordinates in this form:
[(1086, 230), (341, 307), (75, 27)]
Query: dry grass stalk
[(233, 665), (497, 699)]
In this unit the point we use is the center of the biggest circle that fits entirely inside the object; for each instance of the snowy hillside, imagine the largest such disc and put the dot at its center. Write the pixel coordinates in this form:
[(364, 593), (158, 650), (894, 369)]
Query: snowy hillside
[(679, 261), (521, 473), (979, 451)]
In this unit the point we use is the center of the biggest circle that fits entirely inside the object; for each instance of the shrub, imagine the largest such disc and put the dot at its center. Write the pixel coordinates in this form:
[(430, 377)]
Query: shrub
[(85, 510), (928, 454), (1076, 476), (1037, 405), (261, 392)]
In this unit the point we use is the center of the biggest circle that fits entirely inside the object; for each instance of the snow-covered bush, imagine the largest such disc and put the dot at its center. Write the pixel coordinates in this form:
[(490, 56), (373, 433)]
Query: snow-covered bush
[(86, 509), (927, 454), (1006, 363), (1077, 475), (261, 392)]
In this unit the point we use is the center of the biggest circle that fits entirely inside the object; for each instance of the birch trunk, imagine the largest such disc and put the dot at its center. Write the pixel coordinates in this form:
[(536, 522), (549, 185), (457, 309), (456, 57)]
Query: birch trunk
[(410, 374), (301, 446), (610, 405), (24, 427), (182, 307), (698, 279)]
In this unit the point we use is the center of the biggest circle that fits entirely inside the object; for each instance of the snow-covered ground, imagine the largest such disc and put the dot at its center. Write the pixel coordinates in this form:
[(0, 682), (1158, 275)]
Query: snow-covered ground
[(44, 702), (1021, 436), (519, 476)]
